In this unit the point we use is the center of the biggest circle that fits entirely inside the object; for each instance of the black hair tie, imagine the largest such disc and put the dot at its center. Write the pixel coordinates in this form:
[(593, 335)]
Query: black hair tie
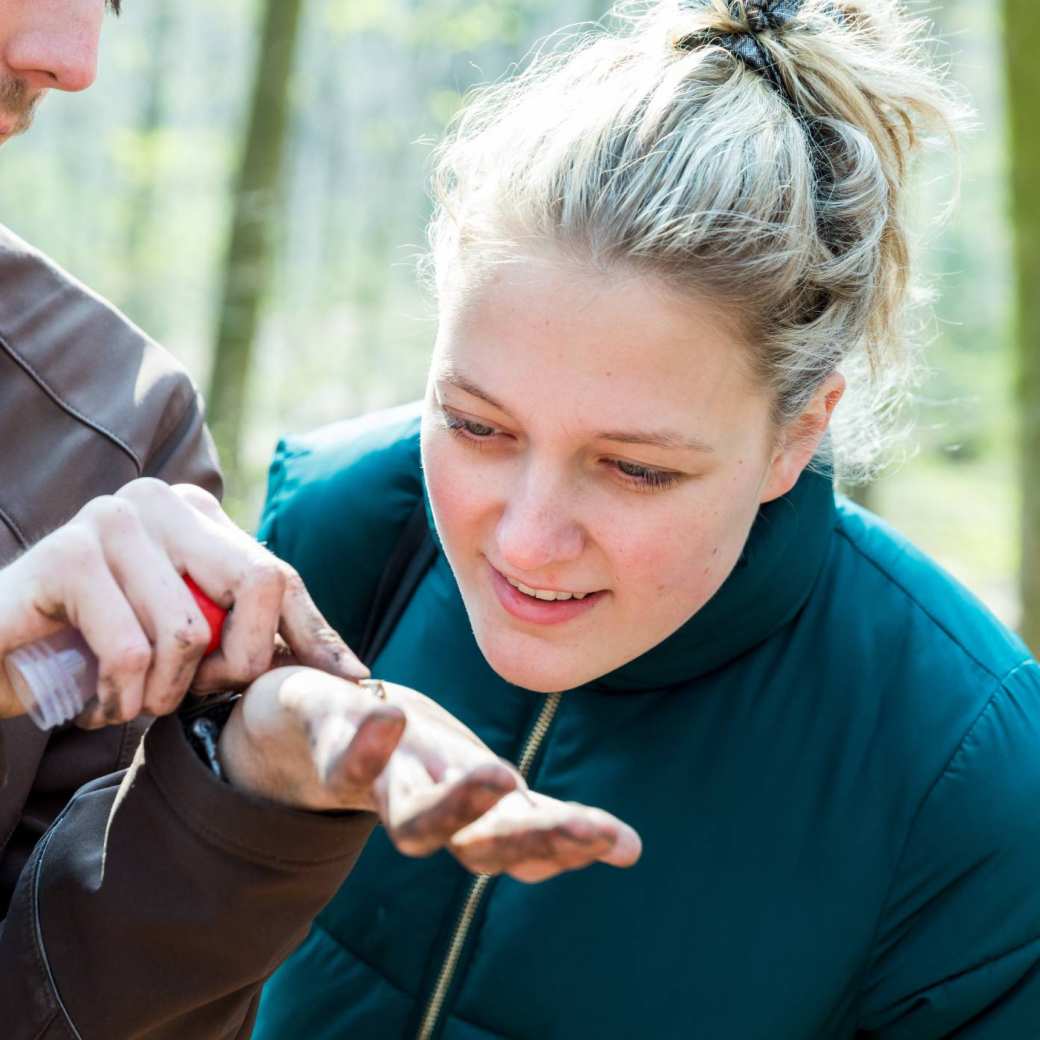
[(762, 16), (765, 15), (747, 47)]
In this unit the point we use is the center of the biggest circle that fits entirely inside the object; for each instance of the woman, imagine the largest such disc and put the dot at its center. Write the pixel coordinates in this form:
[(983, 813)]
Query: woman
[(659, 259)]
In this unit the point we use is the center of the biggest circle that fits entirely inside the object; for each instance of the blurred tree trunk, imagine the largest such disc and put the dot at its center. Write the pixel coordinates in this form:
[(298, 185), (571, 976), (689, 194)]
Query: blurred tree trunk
[(140, 210), (1022, 44), (253, 227)]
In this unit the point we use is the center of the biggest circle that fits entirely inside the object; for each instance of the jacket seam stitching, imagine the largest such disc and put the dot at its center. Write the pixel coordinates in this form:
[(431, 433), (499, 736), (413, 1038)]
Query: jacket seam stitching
[(10, 831), (45, 1026), (947, 979), (991, 700), (127, 747), (70, 409), (9, 521), (38, 926), (927, 613)]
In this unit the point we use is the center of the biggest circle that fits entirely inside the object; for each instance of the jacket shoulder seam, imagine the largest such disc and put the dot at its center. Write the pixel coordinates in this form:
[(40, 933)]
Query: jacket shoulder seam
[(163, 449), (999, 677), (69, 408), (999, 688)]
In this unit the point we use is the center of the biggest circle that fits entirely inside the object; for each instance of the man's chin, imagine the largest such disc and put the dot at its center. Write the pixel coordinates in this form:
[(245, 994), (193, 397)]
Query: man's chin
[(14, 123), (9, 131)]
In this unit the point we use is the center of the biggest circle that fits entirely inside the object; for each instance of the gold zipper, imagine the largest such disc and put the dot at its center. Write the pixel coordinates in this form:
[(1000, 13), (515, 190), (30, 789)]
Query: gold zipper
[(478, 886)]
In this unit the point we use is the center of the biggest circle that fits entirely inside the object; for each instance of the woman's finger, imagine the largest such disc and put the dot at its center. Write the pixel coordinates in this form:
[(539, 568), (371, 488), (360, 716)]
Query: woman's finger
[(533, 851), (421, 816), (627, 847), (522, 836), (356, 764)]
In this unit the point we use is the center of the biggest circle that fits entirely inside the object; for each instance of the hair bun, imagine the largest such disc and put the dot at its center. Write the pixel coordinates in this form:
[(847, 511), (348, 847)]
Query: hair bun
[(768, 15), (644, 144)]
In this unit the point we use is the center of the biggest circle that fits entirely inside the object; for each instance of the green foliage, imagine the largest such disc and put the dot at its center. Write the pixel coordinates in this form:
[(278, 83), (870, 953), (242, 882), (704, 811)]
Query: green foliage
[(454, 24)]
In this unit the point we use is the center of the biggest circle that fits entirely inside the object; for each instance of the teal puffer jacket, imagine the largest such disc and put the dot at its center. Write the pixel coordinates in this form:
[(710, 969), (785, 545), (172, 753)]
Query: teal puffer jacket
[(834, 766)]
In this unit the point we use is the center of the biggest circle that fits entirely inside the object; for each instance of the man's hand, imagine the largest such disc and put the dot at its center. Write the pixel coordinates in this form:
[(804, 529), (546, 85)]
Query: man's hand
[(312, 741), (114, 572)]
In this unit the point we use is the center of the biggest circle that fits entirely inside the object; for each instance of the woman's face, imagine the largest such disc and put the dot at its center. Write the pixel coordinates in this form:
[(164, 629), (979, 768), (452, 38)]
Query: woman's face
[(595, 451)]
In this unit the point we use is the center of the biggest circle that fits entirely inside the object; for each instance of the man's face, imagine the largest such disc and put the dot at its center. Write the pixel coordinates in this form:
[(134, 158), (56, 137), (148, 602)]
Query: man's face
[(45, 45)]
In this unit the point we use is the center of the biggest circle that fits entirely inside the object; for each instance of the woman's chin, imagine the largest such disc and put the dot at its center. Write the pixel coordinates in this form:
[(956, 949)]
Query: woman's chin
[(537, 668), (535, 683)]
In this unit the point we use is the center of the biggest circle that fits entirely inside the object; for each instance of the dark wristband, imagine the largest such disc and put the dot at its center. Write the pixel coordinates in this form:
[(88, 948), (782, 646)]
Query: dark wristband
[(203, 724)]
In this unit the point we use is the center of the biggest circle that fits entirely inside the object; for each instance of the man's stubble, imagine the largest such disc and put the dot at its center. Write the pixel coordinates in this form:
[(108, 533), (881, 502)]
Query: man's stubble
[(17, 103)]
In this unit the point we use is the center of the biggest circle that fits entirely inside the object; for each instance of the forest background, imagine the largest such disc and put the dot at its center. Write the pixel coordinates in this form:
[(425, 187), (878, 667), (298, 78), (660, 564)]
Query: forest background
[(133, 187)]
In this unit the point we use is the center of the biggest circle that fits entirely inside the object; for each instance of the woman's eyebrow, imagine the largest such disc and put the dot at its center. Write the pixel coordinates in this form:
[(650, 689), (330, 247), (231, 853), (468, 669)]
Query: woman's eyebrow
[(657, 439), (460, 382), (653, 438)]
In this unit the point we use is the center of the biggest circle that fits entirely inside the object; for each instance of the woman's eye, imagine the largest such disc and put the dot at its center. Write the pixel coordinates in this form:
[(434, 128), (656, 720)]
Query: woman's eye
[(645, 476), (469, 428)]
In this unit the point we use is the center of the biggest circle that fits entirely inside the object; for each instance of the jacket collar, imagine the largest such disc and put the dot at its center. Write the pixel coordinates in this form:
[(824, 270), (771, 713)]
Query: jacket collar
[(772, 580)]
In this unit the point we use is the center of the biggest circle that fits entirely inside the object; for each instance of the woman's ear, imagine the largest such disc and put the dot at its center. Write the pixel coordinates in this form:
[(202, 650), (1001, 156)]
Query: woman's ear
[(801, 439)]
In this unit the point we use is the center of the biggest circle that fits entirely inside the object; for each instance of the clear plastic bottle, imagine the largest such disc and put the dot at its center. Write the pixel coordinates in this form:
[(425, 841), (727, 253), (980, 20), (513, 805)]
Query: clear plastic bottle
[(55, 677)]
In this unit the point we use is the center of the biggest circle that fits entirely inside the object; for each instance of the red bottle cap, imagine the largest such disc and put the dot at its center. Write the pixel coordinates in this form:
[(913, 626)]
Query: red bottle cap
[(215, 615)]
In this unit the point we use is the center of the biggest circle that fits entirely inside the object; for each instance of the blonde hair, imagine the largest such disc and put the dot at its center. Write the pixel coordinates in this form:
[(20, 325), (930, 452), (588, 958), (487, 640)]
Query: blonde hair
[(780, 192)]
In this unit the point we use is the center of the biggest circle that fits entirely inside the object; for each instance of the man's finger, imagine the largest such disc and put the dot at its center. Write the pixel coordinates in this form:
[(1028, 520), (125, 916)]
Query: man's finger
[(247, 644), (207, 504), (229, 566), (311, 638), (169, 615), (421, 819), (98, 607)]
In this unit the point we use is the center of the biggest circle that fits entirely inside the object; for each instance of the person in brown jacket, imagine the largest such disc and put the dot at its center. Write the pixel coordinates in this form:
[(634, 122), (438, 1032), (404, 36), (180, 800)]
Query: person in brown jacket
[(148, 887)]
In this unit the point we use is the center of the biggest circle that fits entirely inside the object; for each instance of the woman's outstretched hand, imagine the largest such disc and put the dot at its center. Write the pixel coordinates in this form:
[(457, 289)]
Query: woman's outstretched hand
[(312, 741)]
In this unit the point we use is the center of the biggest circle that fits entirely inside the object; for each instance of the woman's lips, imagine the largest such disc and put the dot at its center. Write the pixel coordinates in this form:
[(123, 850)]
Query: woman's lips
[(539, 611)]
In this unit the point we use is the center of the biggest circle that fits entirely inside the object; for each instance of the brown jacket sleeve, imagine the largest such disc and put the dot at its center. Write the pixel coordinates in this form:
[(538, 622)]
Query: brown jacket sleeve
[(160, 900)]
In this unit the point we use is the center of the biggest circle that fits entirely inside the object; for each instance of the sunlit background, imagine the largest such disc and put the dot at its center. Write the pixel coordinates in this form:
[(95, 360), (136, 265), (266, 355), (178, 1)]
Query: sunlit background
[(131, 187)]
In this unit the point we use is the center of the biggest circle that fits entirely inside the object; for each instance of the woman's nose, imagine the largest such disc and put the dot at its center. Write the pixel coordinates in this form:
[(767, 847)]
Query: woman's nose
[(56, 46), (537, 531)]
